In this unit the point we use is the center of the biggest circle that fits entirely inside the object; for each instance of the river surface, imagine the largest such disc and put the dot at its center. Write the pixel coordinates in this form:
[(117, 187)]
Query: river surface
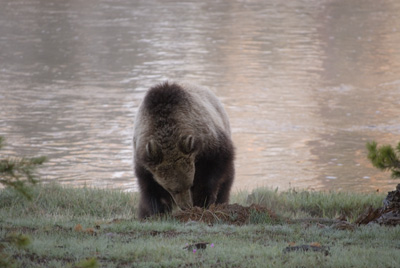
[(306, 84)]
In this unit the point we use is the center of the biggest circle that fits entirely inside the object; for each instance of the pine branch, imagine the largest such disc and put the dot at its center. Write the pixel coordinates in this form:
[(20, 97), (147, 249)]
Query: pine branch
[(385, 157), (17, 172)]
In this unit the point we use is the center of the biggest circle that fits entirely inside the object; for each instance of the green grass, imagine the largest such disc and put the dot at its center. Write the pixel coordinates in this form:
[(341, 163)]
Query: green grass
[(112, 236), (315, 204)]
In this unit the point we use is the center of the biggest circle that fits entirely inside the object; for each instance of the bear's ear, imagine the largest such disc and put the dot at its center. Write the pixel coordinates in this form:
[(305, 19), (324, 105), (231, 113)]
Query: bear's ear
[(187, 144), (153, 152)]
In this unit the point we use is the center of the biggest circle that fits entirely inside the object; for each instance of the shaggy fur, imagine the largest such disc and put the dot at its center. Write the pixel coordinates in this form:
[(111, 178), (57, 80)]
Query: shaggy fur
[(182, 149)]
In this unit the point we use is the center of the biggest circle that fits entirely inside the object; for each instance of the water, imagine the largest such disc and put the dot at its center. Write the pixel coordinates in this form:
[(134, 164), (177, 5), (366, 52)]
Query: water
[(306, 84)]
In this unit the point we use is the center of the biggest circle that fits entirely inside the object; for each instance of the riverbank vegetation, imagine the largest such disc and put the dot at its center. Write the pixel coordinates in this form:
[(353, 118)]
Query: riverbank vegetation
[(19, 172), (49, 225), (82, 227), (385, 157)]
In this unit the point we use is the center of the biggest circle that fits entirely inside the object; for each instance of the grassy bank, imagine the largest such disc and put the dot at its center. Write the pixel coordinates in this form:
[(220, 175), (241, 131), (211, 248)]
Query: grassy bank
[(76, 227)]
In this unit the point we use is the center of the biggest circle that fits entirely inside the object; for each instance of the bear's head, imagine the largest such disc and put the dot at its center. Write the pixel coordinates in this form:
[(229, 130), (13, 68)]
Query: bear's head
[(173, 167)]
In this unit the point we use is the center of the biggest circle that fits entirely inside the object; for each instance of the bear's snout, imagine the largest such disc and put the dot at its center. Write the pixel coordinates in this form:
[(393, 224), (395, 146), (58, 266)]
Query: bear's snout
[(183, 199)]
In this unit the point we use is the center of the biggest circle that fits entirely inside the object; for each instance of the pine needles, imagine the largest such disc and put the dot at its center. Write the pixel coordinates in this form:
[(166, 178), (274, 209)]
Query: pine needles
[(17, 172), (385, 157)]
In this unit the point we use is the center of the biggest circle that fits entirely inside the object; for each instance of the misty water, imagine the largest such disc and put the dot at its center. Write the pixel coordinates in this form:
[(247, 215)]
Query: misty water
[(305, 83)]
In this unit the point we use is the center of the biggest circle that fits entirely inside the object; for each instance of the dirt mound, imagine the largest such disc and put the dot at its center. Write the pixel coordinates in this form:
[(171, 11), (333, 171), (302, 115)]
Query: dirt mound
[(226, 213), (389, 214)]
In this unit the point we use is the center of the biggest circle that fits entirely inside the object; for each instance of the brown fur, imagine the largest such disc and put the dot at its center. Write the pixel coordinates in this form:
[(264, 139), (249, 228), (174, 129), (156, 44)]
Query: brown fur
[(182, 148)]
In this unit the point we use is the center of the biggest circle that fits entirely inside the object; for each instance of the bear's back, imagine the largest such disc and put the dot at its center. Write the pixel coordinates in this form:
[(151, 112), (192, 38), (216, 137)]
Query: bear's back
[(188, 107), (208, 106)]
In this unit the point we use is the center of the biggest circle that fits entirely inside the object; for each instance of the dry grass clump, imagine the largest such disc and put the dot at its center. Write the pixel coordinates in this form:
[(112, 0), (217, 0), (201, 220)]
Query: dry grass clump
[(226, 213)]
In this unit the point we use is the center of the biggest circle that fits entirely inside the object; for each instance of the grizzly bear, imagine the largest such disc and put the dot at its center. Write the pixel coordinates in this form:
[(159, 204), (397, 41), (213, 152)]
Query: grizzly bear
[(183, 152)]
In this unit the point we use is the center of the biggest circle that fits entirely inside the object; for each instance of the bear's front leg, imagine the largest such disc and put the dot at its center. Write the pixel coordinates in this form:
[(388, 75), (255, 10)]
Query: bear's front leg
[(204, 189), (214, 177), (153, 198), (150, 206)]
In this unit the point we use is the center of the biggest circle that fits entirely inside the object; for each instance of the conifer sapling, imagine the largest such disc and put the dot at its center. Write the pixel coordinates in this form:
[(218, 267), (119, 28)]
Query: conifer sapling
[(385, 157)]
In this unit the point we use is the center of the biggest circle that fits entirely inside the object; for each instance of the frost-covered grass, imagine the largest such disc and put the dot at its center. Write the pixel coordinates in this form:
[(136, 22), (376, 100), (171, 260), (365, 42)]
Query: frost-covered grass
[(68, 226), (295, 203)]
